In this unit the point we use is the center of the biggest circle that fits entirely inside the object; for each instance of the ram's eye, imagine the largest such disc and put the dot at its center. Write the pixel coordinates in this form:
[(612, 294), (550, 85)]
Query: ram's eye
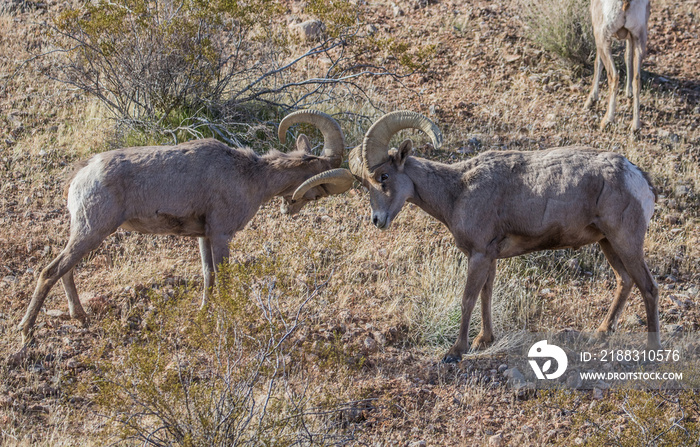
[(383, 177)]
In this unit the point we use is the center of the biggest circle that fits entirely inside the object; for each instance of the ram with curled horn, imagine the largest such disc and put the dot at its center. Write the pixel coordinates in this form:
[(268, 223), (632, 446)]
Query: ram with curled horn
[(501, 204), (203, 189)]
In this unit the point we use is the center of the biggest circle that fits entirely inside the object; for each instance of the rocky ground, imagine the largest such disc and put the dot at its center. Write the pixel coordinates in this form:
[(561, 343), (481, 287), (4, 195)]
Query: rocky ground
[(369, 348)]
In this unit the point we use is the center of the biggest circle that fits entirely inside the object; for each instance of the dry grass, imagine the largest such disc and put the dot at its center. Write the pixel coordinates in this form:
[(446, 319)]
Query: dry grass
[(366, 355)]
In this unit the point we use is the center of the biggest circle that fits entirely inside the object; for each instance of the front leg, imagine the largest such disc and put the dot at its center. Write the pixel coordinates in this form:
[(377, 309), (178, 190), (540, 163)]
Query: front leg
[(485, 337), (477, 275), (629, 64), (597, 71), (205, 253), (220, 251)]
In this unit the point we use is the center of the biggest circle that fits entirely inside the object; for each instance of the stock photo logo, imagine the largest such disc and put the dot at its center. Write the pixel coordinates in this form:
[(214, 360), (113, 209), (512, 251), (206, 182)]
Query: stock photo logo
[(542, 350)]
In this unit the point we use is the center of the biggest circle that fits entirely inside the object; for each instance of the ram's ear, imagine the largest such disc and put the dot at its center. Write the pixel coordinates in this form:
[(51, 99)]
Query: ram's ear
[(303, 143), (400, 155)]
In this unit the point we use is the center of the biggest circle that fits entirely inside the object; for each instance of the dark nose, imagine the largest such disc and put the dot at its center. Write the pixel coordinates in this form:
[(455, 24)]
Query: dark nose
[(375, 219)]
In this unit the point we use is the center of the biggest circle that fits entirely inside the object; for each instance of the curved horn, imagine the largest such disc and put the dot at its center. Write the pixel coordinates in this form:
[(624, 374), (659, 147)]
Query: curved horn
[(333, 141), (335, 181), (355, 161), (376, 143)]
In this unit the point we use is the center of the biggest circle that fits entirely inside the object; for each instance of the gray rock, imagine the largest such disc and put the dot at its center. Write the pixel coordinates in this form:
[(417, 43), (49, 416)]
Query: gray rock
[(597, 393), (515, 378), (57, 313), (574, 381), (10, 279), (602, 385), (496, 440), (379, 338), (308, 30), (370, 344), (474, 142)]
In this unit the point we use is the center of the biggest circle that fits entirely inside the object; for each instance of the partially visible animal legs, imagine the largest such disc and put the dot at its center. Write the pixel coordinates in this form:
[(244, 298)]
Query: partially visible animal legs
[(629, 64), (633, 259), (613, 79), (624, 287), (639, 44), (639, 271), (205, 251), (74, 306), (597, 71), (63, 264), (219, 252), (477, 275), (485, 337)]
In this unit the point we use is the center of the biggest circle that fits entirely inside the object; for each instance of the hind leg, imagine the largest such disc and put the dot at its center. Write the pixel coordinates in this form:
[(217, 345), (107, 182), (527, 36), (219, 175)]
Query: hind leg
[(74, 306), (639, 44), (624, 287), (632, 256), (597, 71), (205, 252), (639, 272), (60, 266), (613, 79)]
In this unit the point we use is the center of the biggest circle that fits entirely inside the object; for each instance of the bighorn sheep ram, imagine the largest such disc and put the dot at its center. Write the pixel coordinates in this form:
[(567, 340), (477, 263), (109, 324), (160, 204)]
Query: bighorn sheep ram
[(201, 189), (503, 204), (623, 19)]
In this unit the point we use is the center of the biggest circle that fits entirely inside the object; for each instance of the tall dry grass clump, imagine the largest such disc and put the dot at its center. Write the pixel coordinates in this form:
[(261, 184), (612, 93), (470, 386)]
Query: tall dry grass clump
[(562, 27)]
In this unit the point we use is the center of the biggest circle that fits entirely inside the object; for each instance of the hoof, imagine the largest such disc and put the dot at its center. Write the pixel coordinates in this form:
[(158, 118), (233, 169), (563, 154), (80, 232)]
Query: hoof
[(481, 342), (27, 335), (601, 335), (654, 345)]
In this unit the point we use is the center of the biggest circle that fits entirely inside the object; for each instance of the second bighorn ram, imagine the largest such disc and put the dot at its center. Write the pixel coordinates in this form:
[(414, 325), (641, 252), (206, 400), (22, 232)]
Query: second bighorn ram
[(503, 204), (201, 189), (622, 19)]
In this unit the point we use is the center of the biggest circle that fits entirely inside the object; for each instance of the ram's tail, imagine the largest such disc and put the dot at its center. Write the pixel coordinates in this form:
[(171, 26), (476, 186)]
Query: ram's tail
[(647, 177), (71, 175)]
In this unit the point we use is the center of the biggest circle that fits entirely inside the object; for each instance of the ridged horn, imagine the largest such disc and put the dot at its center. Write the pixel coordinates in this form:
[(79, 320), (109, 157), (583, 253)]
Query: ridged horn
[(335, 181), (375, 145), (355, 161), (333, 141)]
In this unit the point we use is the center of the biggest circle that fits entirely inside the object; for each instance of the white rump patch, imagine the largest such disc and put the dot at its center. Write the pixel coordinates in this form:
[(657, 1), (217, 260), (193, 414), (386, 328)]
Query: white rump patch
[(640, 189), (636, 17), (611, 9), (85, 185)]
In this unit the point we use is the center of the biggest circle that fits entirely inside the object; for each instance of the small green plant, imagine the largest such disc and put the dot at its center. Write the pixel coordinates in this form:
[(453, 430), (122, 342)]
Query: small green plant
[(634, 418), (562, 27)]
